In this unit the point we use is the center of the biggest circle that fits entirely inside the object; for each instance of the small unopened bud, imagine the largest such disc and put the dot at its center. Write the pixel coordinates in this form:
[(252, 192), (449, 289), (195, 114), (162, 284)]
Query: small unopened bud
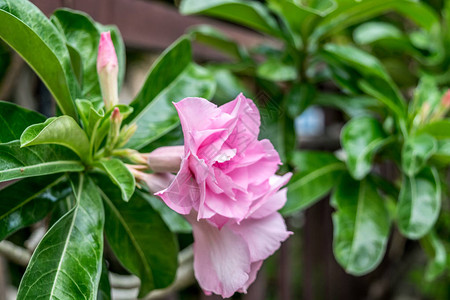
[(126, 133), (446, 99), (114, 129), (166, 159), (108, 70), (155, 182)]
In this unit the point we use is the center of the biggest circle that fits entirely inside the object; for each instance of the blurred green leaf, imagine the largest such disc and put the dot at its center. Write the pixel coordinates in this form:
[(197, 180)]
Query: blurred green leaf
[(439, 129), (275, 70), (248, 13), (318, 173), (361, 226), (17, 162), (419, 203), (28, 31), (370, 32), (355, 106), (63, 131), (212, 37), (119, 175), (139, 238), (104, 287), (14, 120), (416, 151), (172, 78), (438, 254), (68, 260), (361, 138), (228, 85), (299, 98), (29, 200)]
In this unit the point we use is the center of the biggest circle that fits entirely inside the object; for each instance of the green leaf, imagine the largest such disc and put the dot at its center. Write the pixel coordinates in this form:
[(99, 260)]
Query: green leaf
[(63, 131), (119, 175), (300, 97), (317, 174), (28, 31), (248, 13), (416, 151), (361, 226), (29, 200), (361, 138), (172, 78), (419, 203), (442, 154), (371, 32), (83, 34), (68, 260), (440, 130), (90, 117), (438, 262), (14, 119), (139, 238), (275, 70), (350, 12), (355, 106), (17, 162), (212, 37), (173, 220)]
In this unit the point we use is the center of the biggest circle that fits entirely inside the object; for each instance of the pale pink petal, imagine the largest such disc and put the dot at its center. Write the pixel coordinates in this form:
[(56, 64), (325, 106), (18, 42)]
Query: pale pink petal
[(223, 205), (273, 204), (106, 53), (263, 236), (183, 193), (221, 259), (252, 276)]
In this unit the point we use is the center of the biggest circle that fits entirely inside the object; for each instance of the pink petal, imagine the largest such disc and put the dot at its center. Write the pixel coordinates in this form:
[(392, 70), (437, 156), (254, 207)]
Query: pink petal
[(263, 236), (106, 52), (252, 276), (183, 193), (195, 113), (221, 259)]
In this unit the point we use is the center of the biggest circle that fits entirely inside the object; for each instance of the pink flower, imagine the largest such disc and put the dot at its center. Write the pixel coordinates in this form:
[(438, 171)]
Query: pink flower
[(108, 69), (228, 190)]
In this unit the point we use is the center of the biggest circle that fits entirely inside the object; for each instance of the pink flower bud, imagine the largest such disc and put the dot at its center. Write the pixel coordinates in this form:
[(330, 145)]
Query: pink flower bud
[(108, 69), (166, 159), (446, 99)]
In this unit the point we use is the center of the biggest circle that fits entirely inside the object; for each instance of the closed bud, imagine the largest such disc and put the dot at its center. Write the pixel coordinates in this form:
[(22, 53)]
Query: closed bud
[(126, 133), (108, 70), (166, 159)]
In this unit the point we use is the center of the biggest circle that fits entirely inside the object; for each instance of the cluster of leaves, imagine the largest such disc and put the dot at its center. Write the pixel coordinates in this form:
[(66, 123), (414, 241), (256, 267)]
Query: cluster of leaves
[(324, 53), (66, 168)]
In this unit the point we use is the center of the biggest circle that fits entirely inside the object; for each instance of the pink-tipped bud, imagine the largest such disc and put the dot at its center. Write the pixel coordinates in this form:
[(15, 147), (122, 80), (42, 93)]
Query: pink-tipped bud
[(166, 159), (115, 115), (446, 99), (108, 70), (155, 182)]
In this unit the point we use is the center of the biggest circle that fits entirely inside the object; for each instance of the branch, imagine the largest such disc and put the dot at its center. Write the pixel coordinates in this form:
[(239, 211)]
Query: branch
[(15, 253)]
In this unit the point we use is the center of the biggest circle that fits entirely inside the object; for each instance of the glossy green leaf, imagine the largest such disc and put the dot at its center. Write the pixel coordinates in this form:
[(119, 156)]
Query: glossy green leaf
[(361, 138), (438, 262), (28, 31), (139, 238), (416, 151), (318, 173), (68, 261), (29, 200), (17, 162), (248, 13), (14, 120), (419, 203), (119, 175), (361, 226), (83, 34), (173, 220), (172, 78), (439, 129), (63, 131)]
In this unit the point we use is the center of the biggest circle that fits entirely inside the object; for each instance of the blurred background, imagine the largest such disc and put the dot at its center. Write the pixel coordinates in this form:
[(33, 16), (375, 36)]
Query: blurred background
[(305, 267)]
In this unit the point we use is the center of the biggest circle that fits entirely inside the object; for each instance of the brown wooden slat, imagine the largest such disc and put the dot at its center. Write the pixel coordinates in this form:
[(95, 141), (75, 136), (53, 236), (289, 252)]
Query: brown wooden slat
[(150, 25)]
